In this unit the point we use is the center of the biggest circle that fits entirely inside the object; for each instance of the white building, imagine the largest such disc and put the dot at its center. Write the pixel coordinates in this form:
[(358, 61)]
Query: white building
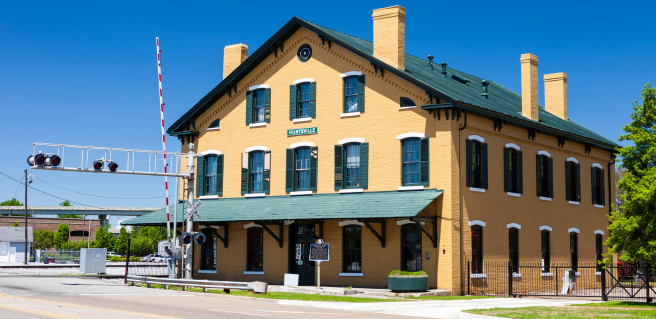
[(12, 244)]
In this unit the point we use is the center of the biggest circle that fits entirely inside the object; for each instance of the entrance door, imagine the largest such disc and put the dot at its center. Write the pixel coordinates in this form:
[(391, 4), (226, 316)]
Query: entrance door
[(300, 240), (4, 252)]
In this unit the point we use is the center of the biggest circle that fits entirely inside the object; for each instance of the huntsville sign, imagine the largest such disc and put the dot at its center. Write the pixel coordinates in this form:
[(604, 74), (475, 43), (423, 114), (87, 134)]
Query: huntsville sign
[(302, 131)]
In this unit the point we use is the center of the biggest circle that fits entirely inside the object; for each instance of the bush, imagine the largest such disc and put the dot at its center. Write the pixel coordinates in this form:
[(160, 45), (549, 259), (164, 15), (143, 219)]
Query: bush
[(61, 235), (122, 259), (44, 239), (122, 242), (399, 273), (142, 246)]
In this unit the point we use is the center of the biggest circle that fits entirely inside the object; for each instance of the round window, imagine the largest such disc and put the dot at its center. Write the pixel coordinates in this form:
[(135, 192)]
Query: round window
[(305, 53)]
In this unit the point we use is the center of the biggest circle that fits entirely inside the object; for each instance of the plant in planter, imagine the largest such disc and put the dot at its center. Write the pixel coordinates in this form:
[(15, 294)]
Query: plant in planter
[(407, 281)]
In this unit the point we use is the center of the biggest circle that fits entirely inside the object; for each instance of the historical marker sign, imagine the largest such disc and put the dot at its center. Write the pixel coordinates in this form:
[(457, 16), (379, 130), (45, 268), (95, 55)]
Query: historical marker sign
[(319, 251), (302, 131)]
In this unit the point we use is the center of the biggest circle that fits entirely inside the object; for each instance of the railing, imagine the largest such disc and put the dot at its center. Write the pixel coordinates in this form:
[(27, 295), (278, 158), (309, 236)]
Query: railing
[(256, 286)]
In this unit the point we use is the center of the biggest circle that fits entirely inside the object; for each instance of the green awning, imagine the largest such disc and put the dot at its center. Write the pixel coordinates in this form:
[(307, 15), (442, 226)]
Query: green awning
[(392, 204)]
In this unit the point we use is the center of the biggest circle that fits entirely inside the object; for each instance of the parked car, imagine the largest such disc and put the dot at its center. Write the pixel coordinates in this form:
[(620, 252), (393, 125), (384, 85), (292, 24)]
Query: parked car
[(111, 253), (146, 258), (160, 259)]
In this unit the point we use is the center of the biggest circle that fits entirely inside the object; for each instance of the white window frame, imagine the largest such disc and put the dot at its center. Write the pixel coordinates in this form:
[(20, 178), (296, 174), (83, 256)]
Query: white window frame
[(545, 227), (258, 86), (599, 232), (476, 137), (252, 225), (302, 144), (410, 135), (256, 148), (514, 225), (350, 73), (574, 230), (209, 152), (512, 145), (597, 165), (572, 159), (545, 153), (477, 223), (350, 222), (351, 140), (304, 80)]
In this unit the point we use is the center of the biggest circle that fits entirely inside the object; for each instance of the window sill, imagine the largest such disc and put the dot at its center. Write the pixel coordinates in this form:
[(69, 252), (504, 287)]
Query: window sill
[(349, 114), (261, 273), (207, 271), (305, 119), (599, 206), (545, 198), (514, 194), (257, 124), (411, 188), (573, 202), (351, 190), (351, 274), (478, 276), (517, 275), (578, 273), (474, 189), (598, 273), (255, 195), (300, 193), (209, 197), (407, 107), (213, 129), (546, 274)]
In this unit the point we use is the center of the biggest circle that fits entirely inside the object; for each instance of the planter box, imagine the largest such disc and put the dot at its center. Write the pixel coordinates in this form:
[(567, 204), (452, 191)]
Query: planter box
[(407, 283)]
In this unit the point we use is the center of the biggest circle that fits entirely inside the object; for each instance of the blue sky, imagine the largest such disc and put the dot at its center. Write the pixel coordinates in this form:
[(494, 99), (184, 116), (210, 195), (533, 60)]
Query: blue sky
[(85, 73)]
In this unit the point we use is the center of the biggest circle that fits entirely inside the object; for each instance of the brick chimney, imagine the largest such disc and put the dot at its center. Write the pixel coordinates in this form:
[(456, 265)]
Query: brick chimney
[(233, 56), (555, 94), (389, 36), (530, 86)]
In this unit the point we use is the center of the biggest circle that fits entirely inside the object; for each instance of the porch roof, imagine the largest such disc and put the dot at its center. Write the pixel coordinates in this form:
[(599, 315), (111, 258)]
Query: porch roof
[(390, 204)]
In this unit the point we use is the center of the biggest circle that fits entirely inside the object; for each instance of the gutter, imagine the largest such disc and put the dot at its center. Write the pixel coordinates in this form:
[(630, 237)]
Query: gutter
[(460, 193), (610, 193)]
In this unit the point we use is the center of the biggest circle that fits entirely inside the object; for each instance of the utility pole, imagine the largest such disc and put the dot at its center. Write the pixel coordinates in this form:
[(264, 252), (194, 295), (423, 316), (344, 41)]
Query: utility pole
[(190, 199), (26, 217)]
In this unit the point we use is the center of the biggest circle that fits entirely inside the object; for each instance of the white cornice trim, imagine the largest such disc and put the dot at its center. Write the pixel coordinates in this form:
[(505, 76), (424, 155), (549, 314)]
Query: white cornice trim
[(210, 152), (259, 86), (302, 144), (256, 148), (545, 227), (512, 145), (545, 153), (408, 135), (351, 140), (597, 165), (476, 137), (574, 230), (304, 80), (477, 222), (571, 159), (514, 225), (599, 232), (351, 73), (350, 222)]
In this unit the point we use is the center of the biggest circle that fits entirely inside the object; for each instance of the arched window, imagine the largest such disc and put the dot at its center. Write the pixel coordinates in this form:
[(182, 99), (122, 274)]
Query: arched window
[(79, 233), (406, 102), (208, 251), (352, 248), (476, 163), (477, 249), (256, 171), (544, 176), (574, 250), (546, 250), (513, 241), (215, 124)]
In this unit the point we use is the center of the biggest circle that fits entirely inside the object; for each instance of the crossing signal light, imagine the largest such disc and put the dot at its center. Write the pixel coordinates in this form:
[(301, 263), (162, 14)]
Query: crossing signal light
[(97, 165), (199, 238), (53, 160), (38, 159), (112, 166), (186, 238)]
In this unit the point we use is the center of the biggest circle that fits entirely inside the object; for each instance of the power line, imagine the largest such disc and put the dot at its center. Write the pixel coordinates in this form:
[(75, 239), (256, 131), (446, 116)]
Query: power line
[(70, 190), (38, 190)]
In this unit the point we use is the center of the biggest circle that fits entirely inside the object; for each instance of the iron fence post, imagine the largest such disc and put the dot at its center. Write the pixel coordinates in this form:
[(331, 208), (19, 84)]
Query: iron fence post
[(604, 297), (647, 278), (468, 278), (127, 263), (510, 280)]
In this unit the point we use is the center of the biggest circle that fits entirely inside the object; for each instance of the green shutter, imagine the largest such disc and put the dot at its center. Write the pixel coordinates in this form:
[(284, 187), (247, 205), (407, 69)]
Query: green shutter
[(313, 98), (267, 105), (245, 172), (520, 174), (568, 181), (364, 165), (249, 107), (403, 150), (594, 189), (424, 175), (266, 175), (468, 144), (292, 101), (506, 171), (578, 183), (289, 176), (219, 175), (551, 193), (339, 167), (361, 93), (538, 174), (603, 193), (344, 96), (484, 165), (200, 176), (314, 160)]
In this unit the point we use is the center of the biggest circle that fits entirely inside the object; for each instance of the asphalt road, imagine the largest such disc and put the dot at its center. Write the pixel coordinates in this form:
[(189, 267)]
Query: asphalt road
[(66, 297)]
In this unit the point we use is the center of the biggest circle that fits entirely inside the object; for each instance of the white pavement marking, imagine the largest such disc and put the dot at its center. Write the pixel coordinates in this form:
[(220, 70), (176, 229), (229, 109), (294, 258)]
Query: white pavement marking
[(182, 294), (313, 313), (241, 313)]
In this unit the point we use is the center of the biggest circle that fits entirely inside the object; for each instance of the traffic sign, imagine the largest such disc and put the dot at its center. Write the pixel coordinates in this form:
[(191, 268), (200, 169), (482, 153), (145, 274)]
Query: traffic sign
[(193, 210)]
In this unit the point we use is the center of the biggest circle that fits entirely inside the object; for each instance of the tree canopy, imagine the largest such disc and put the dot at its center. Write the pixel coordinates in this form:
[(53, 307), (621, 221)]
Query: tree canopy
[(44, 239), (67, 203), (15, 224), (11, 202), (103, 239), (122, 242), (61, 235), (633, 226)]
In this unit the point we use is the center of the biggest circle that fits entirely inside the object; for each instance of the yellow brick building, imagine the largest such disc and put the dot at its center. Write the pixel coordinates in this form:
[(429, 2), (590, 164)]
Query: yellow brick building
[(397, 162)]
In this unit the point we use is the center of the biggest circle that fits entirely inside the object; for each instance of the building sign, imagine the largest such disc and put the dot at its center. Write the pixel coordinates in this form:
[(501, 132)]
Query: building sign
[(302, 131), (319, 251)]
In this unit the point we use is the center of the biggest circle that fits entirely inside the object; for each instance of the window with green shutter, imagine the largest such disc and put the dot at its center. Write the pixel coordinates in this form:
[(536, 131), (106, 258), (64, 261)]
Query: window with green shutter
[(301, 172), (415, 162), (512, 159), (352, 165), (476, 162), (339, 167), (302, 100), (598, 197), (354, 94), (256, 172), (213, 175), (200, 175), (544, 176), (573, 181)]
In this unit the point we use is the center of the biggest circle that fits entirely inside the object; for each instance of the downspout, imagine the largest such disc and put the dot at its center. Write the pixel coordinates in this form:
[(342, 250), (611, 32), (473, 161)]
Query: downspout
[(610, 207), (460, 195)]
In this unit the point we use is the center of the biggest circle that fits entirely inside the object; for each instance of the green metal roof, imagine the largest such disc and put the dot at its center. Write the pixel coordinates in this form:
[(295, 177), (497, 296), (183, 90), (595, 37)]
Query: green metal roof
[(392, 204), (501, 104)]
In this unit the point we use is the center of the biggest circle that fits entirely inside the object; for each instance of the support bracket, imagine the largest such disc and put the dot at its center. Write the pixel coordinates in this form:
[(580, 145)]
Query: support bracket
[(378, 68), (224, 238), (433, 221), (310, 228), (277, 238), (381, 236), (498, 124), (561, 141), (324, 40), (588, 148)]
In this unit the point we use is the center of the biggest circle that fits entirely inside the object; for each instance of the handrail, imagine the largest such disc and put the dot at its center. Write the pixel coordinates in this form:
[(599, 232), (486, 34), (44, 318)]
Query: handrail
[(256, 286)]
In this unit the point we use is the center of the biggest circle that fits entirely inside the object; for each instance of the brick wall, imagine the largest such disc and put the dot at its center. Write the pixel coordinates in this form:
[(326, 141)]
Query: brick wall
[(51, 224)]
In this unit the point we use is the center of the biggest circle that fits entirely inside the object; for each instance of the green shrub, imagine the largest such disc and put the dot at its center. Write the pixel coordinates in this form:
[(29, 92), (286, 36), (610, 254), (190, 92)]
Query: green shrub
[(399, 273), (44, 239), (61, 235), (122, 259), (74, 245)]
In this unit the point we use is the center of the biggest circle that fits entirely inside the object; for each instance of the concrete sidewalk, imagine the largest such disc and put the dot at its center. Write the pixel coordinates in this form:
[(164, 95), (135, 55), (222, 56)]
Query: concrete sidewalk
[(356, 292)]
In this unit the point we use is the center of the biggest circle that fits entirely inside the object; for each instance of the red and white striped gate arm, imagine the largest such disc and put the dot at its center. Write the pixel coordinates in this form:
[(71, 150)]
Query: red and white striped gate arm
[(161, 112)]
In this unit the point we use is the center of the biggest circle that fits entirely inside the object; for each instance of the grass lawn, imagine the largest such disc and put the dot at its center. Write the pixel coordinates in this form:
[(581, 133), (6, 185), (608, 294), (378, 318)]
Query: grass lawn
[(565, 312), (623, 304)]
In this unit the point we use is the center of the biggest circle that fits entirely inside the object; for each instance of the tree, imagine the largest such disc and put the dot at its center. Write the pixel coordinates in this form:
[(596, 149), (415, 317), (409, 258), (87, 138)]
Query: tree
[(103, 239), (15, 224), (142, 246), (61, 235), (11, 202), (122, 242), (633, 225), (67, 203), (44, 239), (619, 202)]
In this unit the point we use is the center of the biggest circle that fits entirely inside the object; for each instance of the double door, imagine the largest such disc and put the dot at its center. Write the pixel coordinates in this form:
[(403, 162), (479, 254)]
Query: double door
[(299, 263)]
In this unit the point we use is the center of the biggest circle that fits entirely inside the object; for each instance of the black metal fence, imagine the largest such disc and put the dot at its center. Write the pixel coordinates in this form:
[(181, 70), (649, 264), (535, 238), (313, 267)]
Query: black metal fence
[(616, 282)]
